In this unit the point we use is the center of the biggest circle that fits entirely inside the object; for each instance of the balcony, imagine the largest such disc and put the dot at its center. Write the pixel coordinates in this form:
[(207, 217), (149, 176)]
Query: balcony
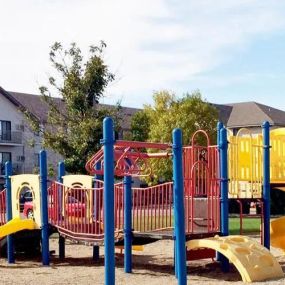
[(11, 138), (17, 169)]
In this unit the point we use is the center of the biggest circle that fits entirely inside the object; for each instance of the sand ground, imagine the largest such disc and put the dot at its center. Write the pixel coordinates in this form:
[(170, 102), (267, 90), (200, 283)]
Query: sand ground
[(152, 266)]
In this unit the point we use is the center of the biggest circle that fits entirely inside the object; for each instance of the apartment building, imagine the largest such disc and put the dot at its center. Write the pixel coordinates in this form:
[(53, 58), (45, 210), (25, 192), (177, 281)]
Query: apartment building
[(18, 143), (16, 138)]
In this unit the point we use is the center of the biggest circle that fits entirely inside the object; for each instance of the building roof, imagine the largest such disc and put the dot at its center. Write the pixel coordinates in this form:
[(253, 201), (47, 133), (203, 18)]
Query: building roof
[(39, 108), (249, 114), (236, 115)]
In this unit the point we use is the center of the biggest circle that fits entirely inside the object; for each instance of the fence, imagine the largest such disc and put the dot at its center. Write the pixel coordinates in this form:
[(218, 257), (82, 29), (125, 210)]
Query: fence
[(3, 207)]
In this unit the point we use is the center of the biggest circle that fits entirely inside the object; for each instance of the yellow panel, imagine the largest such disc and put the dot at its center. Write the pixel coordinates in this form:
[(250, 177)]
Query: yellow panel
[(277, 155), (245, 161), (31, 181), (253, 261), (80, 181), (245, 166), (277, 233), (85, 181), (17, 225), (278, 132)]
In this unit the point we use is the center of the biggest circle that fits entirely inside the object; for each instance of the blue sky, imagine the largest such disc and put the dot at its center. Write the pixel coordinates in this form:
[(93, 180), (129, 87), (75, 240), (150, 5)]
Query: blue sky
[(231, 50)]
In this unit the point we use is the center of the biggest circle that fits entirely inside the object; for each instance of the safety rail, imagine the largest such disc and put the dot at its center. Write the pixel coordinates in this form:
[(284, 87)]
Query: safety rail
[(245, 165), (78, 212), (202, 186), (202, 189), (153, 208), (3, 207)]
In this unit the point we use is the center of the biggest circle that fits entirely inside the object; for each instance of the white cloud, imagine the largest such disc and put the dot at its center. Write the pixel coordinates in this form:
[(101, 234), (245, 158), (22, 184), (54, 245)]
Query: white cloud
[(151, 44)]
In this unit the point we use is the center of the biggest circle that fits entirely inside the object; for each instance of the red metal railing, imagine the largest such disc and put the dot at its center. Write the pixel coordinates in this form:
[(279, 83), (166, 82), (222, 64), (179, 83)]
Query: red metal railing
[(153, 208), (202, 187), (3, 207), (130, 157), (78, 212)]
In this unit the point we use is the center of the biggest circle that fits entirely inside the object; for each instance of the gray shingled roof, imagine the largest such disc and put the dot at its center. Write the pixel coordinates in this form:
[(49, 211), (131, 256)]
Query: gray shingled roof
[(35, 104), (236, 115), (39, 108), (249, 114)]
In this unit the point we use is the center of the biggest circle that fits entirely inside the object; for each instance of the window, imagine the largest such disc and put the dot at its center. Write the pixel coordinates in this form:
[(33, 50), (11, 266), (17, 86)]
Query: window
[(4, 156), (5, 130)]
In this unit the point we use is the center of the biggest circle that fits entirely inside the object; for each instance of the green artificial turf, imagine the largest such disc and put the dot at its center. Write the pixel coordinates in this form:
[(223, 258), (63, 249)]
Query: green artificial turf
[(250, 226)]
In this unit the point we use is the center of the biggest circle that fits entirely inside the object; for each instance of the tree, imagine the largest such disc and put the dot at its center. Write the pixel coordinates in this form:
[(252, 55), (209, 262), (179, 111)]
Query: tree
[(74, 127), (140, 126), (190, 113)]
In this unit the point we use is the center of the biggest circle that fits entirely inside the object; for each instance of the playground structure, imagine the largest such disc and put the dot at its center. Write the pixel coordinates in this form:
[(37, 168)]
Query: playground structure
[(80, 206), (246, 175)]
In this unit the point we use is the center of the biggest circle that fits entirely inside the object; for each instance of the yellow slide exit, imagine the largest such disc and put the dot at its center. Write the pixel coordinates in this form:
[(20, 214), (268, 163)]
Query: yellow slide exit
[(277, 233), (16, 225)]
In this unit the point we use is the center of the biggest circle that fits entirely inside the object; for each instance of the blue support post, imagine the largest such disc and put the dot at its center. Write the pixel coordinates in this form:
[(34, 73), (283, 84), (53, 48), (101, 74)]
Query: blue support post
[(128, 223), (96, 248), (223, 146), (61, 240), (44, 208), (9, 214), (175, 259), (266, 183), (219, 127), (109, 225), (60, 171), (179, 216)]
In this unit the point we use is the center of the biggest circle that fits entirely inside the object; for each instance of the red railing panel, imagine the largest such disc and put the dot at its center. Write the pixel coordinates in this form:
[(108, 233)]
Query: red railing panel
[(201, 188), (153, 208), (78, 212), (3, 207)]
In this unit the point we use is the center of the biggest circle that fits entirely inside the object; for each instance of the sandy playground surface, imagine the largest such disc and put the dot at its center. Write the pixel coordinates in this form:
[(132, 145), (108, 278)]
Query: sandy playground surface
[(152, 266)]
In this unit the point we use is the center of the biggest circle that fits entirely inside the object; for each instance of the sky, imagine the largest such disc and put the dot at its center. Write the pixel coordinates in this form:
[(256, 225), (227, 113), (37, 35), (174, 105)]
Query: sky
[(230, 50)]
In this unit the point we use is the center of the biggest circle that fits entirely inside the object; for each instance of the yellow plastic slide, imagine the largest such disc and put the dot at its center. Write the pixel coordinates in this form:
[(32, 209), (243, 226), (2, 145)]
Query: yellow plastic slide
[(253, 261), (277, 233), (16, 225)]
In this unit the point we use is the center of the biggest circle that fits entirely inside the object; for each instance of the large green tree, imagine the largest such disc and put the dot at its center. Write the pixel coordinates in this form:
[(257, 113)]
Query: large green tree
[(74, 127), (190, 113)]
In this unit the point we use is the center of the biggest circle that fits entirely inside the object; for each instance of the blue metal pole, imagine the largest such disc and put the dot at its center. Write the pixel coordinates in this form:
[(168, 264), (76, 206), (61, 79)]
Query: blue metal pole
[(175, 259), (9, 214), (219, 127), (179, 216), (61, 240), (109, 225), (60, 171), (96, 248), (128, 223), (266, 183), (44, 207), (223, 146)]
